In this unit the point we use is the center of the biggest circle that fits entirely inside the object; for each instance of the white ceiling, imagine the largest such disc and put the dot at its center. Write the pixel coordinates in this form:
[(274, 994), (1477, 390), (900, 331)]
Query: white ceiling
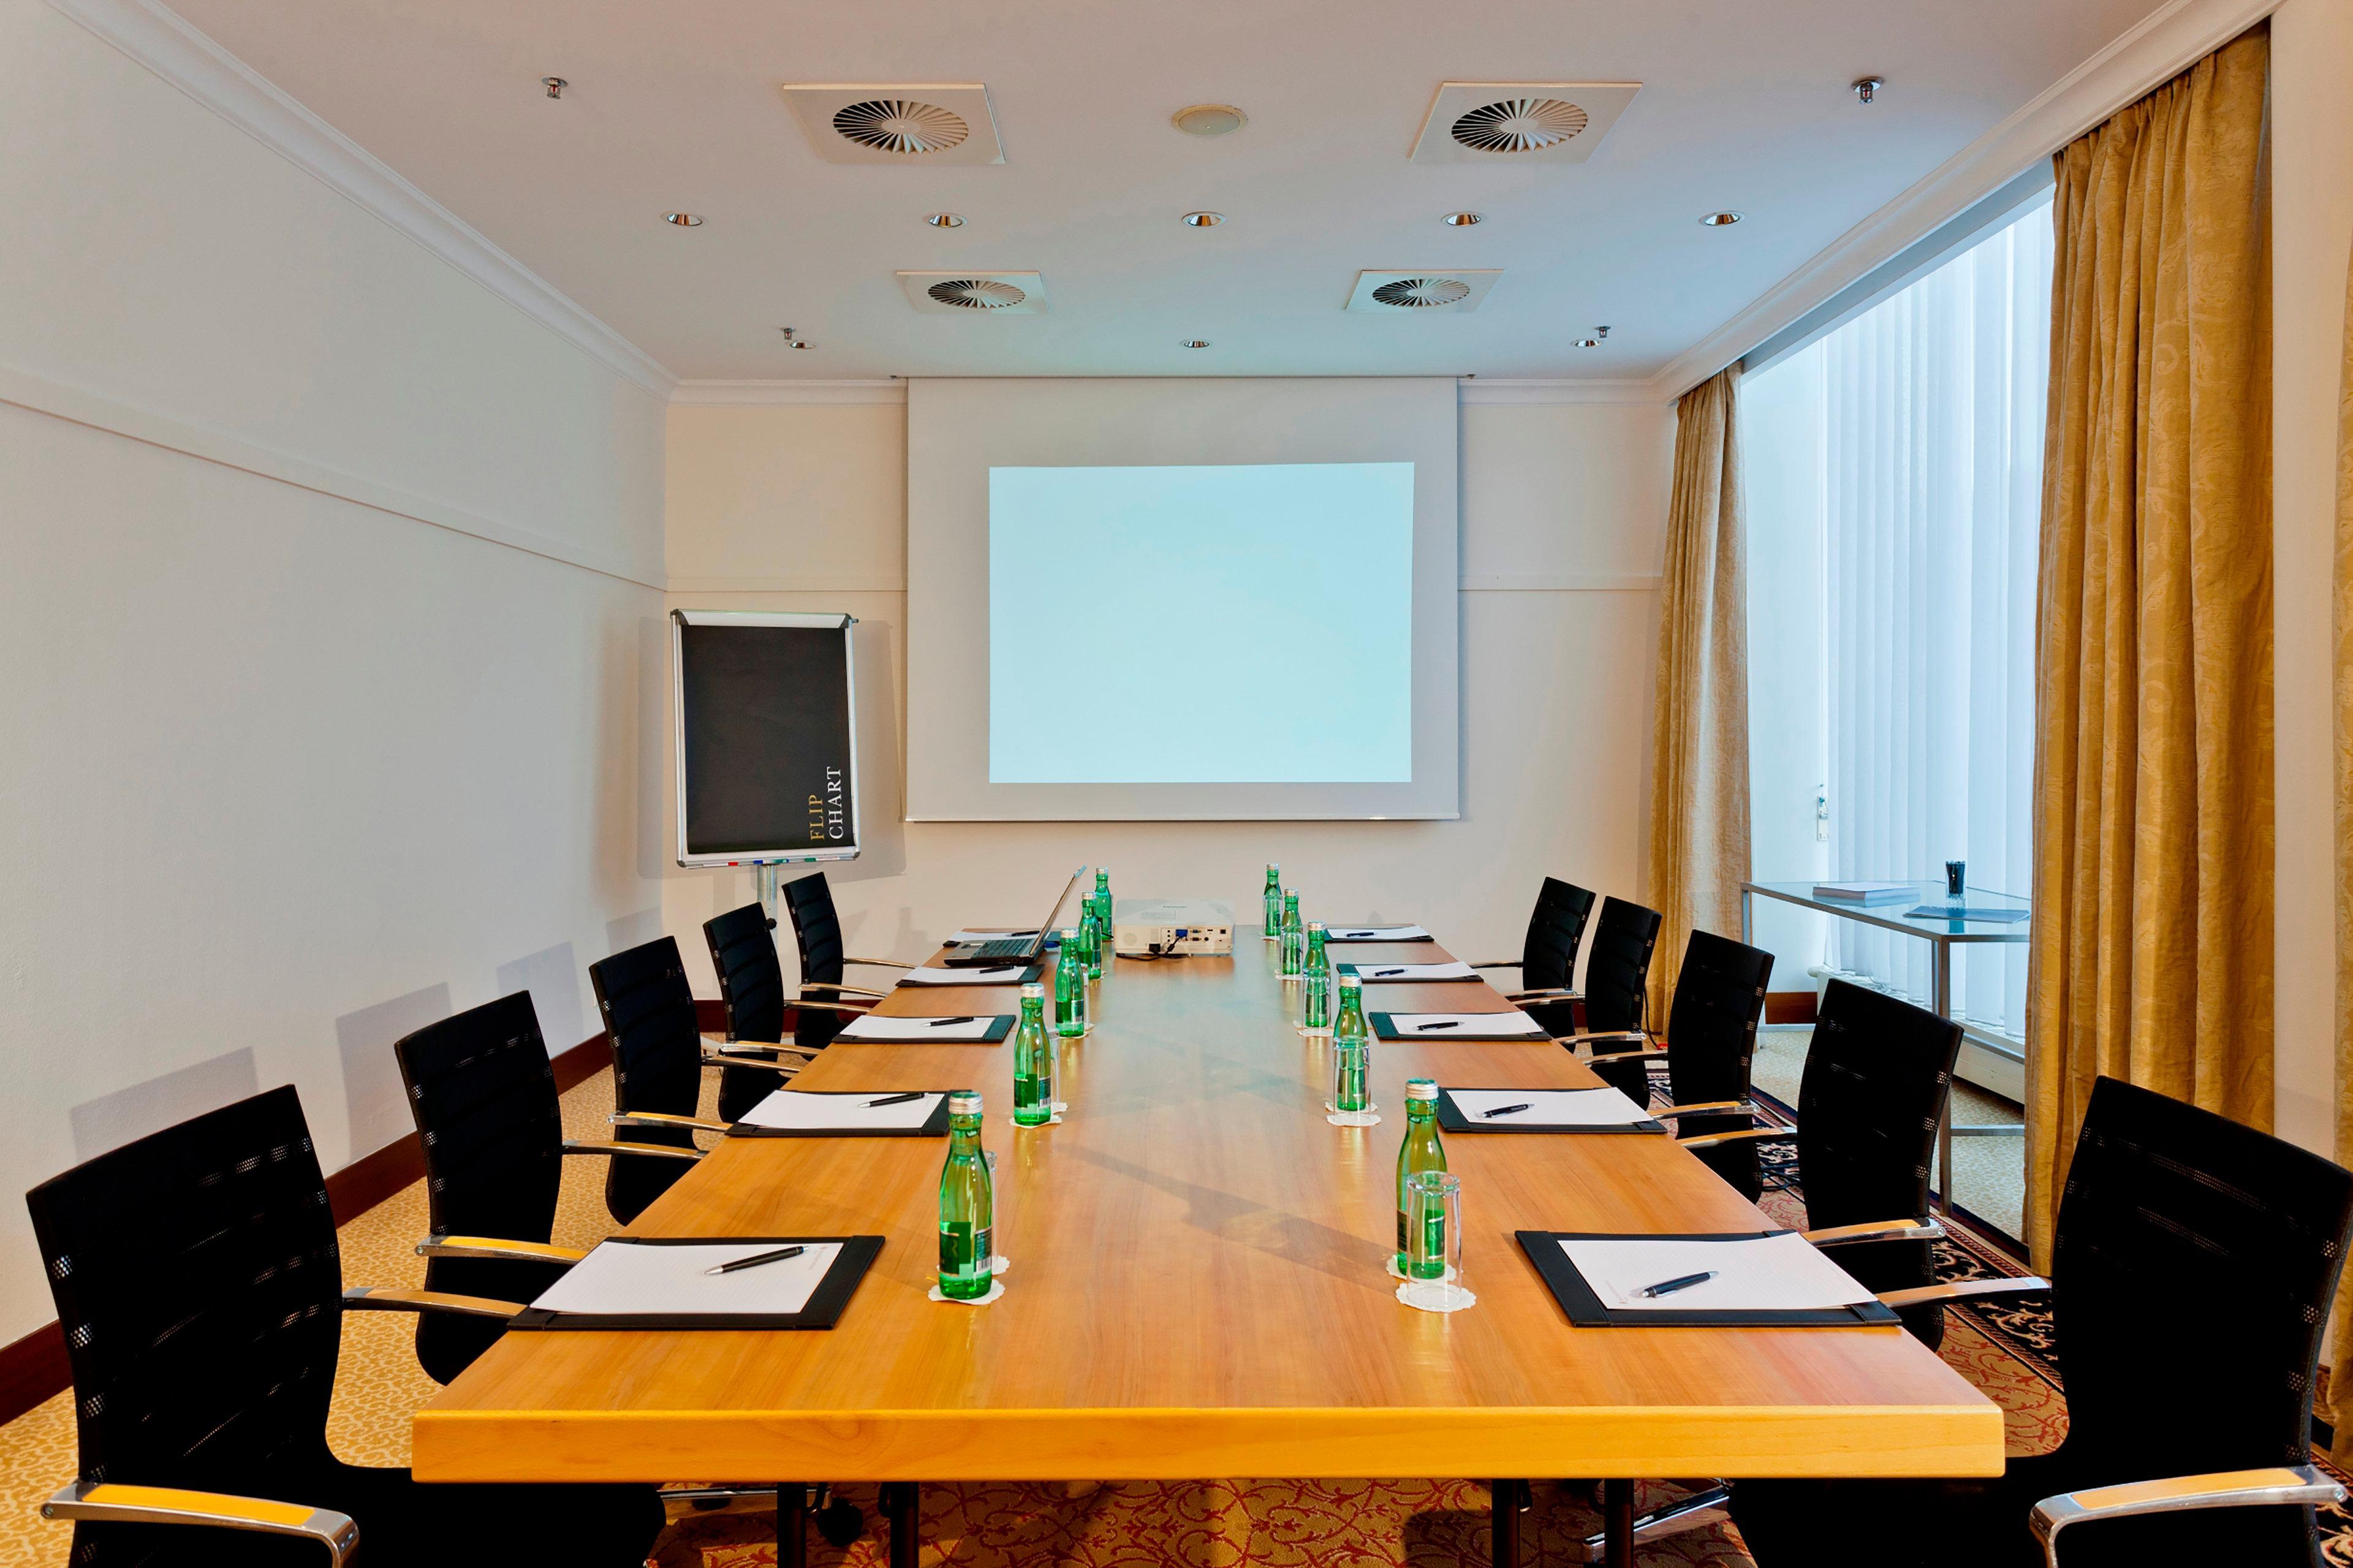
[(1743, 105)]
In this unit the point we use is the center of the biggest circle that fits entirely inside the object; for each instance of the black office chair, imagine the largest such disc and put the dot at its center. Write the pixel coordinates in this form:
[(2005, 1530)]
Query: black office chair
[(1710, 1043), (1548, 961), (816, 929), (1616, 988), (1877, 1072), (658, 1060), (197, 1280), (752, 990), (2193, 1271)]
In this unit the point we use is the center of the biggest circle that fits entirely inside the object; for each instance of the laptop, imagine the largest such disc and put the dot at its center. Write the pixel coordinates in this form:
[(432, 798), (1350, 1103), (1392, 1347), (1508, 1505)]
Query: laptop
[(1013, 947)]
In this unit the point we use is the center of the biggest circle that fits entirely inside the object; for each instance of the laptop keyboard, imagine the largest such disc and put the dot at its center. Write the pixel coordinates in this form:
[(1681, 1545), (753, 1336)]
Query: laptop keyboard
[(1002, 947)]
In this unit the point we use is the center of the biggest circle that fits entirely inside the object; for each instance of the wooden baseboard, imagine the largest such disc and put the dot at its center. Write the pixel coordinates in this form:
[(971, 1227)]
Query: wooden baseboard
[(1789, 1006), (35, 1368)]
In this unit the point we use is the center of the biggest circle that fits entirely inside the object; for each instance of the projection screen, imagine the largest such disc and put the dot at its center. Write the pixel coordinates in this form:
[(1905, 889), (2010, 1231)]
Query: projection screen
[(1181, 599)]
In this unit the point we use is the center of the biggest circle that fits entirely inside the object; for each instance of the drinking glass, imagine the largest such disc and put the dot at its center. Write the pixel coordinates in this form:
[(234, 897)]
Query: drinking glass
[(1351, 1104), (1433, 1234)]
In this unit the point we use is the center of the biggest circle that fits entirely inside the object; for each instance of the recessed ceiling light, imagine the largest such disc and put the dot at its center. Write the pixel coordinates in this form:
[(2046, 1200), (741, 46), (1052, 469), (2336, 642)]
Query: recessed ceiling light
[(1192, 342), (1462, 220), (944, 220), (1208, 119), (802, 343), (1720, 220), (683, 220), (1204, 220), (1574, 342)]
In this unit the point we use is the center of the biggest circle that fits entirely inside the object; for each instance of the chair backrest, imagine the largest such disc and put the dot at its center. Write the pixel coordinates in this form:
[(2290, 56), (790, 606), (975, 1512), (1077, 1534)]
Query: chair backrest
[(1877, 1071), (2193, 1271), (482, 1092), (1555, 929), (197, 1279), (751, 981), (1712, 1022), (648, 1011), (1618, 965), (817, 930)]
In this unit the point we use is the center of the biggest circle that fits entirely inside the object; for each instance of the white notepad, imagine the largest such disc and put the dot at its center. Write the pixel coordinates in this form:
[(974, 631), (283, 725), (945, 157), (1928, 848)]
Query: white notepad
[(1550, 1107), (795, 1110), (1769, 1273), (871, 1027), (623, 1278), (1372, 973), (1375, 933), (1512, 1024), (1005, 974)]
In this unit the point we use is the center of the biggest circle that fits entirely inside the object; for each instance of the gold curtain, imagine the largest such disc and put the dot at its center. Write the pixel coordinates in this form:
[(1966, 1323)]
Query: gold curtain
[(1699, 745), (2340, 1381), (2151, 953)]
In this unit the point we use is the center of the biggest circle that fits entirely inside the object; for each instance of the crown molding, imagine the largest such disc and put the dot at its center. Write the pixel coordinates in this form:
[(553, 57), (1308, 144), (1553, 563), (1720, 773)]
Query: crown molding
[(2166, 42), (1479, 392), (777, 393), (79, 406), (728, 584), (166, 45)]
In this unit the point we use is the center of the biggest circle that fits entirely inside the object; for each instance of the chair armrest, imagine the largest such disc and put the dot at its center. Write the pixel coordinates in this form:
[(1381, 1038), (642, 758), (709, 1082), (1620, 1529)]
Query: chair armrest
[(1963, 1290), (859, 1006), (754, 1047), (651, 1151), (843, 989), (2230, 1488), (1878, 1230), (1498, 963), (879, 963), (380, 1299), (1719, 1108), (1545, 993), (440, 1246), (786, 1065), (107, 1503), (664, 1119)]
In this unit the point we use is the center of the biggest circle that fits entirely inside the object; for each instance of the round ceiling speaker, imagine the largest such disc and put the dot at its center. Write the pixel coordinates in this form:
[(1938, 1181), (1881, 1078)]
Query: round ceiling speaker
[(976, 293), (1208, 119), (900, 125), (1519, 125), (1415, 293)]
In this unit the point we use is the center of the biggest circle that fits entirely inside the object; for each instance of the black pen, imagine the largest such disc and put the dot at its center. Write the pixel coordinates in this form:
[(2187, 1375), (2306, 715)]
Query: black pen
[(897, 1099), (1669, 1287), (1379, 973), (1357, 933), (1505, 1109), (1441, 1024), (944, 1023), (757, 1259)]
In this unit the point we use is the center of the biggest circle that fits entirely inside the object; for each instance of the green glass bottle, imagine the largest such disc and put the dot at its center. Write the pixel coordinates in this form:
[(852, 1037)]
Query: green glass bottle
[(1033, 1062), (967, 1205), (1351, 1050), (1294, 938), (1102, 898), (1090, 946), (1421, 1151), (1316, 984), (1070, 988), (1272, 902)]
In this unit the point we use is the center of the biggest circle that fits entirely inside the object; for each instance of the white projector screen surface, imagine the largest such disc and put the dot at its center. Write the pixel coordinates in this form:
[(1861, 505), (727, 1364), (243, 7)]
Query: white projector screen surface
[(1181, 599), (1235, 563)]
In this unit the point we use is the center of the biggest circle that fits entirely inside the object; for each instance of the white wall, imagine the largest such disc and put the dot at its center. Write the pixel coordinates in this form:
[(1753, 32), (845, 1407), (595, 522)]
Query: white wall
[(1557, 684), (2312, 239), (287, 774)]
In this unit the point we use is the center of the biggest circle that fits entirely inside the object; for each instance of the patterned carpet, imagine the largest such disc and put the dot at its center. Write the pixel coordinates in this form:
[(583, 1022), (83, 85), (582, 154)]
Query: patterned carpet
[(2005, 1350)]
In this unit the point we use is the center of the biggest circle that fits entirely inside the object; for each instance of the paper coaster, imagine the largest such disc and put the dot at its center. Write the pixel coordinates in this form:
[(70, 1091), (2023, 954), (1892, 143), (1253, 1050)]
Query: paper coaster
[(1053, 1120), (999, 1264), (995, 1288), (1367, 1117), (1432, 1296), (1321, 1032)]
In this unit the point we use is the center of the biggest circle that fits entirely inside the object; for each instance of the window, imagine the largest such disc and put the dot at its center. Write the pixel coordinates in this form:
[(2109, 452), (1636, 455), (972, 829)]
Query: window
[(1893, 472)]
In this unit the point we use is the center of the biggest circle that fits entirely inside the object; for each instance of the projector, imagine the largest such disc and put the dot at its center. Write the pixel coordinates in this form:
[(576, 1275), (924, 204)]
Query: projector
[(1150, 928)]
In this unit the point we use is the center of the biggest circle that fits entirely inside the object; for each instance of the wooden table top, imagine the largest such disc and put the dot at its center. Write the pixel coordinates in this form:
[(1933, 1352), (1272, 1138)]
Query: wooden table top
[(1196, 1290)]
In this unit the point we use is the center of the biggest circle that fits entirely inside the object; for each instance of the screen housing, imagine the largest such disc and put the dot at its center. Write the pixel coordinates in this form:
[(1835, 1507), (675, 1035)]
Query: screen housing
[(679, 619)]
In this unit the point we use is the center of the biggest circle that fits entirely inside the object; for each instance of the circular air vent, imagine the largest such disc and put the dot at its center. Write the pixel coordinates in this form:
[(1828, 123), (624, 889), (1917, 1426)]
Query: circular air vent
[(900, 125), (1519, 125), (976, 293), (1413, 293)]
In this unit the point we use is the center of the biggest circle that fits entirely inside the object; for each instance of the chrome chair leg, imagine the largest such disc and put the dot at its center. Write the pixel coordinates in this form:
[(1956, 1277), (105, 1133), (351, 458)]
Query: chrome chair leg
[(1700, 1508)]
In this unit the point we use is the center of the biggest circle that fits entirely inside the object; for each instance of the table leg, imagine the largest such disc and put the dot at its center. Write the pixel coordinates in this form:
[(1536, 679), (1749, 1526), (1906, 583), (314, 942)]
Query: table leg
[(792, 1524), (902, 1501), (1618, 1524), (1940, 967), (1747, 918), (1504, 1509)]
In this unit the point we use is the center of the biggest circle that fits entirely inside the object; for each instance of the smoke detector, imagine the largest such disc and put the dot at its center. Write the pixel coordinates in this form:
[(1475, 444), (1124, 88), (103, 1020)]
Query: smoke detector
[(1523, 121), (976, 293), (1421, 291), (902, 123)]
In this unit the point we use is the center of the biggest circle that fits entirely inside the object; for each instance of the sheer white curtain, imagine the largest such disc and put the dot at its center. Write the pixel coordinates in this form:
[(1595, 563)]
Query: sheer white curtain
[(1927, 500)]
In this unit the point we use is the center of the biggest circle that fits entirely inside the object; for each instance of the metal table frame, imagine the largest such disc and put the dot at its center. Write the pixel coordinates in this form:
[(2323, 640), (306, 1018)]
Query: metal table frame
[(1941, 936)]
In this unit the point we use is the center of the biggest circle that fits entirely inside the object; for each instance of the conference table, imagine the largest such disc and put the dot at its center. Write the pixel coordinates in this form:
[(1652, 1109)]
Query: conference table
[(1196, 1289)]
